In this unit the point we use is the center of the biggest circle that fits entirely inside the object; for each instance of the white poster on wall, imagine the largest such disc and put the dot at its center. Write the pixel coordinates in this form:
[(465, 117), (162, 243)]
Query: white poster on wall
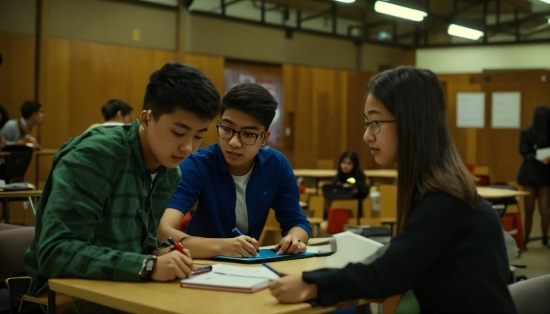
[(506, 110), (470, 110)]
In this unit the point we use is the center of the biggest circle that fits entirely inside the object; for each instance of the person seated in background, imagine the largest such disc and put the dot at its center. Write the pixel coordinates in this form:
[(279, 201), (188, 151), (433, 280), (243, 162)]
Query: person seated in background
[(18, 131), (115, 112), (449, 251), (235, 183), (351, 174), (98, 214)]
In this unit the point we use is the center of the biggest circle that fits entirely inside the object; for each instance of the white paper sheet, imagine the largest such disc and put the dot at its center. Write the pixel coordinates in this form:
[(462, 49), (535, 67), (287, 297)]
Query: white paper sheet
[(352, 248), (470, 110)]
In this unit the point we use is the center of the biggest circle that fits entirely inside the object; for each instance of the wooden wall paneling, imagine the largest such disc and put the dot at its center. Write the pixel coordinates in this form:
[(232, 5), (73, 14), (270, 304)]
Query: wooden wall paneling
[(326, 113), (55, 97), (289, 122), (357, 91), (82, 76), (301, 94), (464, 139), (499, 148), (211, 66), (17, 84), (17, 71)]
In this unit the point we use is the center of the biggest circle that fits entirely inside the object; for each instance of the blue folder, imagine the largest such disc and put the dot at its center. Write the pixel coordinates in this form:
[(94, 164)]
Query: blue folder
[(266, 255)]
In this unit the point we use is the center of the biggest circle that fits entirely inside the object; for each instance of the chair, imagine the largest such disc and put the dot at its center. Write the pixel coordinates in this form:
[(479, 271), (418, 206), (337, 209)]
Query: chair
[(510, 221), (316, 206), (388, 205), (337, 218), (482, 173), (184, 222), (531, 295), (17, 162), (271, 228), (15, 168), (14, 241)]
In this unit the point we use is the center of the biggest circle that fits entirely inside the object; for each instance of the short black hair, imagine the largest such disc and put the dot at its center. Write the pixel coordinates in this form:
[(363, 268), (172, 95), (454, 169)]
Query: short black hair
[(110, 109), (253, 99), (29, 107), (178, 85)]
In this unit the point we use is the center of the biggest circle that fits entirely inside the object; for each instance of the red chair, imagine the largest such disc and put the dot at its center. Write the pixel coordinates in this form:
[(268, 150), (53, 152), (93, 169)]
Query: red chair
[(337, 218), (183, 224)]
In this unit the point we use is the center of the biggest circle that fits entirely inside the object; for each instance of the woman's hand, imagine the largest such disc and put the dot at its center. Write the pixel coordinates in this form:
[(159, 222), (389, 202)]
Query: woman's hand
[(292, 289)]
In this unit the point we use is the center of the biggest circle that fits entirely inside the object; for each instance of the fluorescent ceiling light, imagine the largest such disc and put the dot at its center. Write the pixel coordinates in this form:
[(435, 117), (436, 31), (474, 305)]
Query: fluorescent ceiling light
[(346, 1), (547, 1), (399, 11), (461, 31)]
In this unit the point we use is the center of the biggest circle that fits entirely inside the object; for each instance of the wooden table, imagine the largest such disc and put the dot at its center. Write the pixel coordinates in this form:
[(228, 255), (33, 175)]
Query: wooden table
[(37, 154), (169, 297), (494, 193), (6, 195), (328, 174)]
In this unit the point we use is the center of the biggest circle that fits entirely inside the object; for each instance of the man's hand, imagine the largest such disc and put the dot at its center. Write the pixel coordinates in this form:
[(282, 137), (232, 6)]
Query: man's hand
[(292, 289), (291, 245), (31, 140), (173, 265), (242, 246), (163, 251)]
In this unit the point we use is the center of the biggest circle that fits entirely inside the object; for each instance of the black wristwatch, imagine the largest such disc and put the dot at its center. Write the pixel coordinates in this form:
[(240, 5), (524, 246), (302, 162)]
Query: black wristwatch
[(146, 271)]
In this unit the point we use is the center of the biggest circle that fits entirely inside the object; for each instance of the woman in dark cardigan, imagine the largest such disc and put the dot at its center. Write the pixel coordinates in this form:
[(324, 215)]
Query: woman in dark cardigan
[(450, 249), (534, 174)]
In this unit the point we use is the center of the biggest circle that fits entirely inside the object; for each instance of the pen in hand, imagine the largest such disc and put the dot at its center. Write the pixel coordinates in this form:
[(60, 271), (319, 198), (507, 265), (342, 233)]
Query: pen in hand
[(273, 270), (239, 233), (176, 245), (197, 271)]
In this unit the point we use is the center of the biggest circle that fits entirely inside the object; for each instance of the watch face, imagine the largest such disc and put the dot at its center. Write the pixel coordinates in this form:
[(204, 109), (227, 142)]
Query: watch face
[(150, 264)]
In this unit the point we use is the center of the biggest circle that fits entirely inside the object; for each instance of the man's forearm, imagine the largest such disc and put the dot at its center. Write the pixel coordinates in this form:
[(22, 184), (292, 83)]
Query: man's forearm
[(202, 247)]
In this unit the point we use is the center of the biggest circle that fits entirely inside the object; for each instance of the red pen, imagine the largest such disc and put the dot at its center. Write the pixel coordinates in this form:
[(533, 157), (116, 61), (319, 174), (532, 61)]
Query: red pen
[(177, 245)]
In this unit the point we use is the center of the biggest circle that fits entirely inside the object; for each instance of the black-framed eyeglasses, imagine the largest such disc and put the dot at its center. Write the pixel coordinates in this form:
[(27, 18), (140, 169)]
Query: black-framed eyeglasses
[(246, 137), (374, 126)]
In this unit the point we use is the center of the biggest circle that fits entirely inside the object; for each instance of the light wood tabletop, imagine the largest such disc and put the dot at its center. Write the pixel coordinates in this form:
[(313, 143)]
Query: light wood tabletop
[(329, 173), (18, 194), (494, 193), (169, 297), (6, 195)]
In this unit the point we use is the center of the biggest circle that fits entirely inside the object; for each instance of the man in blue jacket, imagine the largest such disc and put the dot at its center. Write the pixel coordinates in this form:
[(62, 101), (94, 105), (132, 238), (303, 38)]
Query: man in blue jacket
[(235, 183)]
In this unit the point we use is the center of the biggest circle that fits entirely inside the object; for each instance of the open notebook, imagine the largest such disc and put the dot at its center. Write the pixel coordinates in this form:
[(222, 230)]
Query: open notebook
[(231, 278)]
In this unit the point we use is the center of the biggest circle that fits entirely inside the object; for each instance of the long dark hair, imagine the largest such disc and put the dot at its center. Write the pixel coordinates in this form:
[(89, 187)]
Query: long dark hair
[(427, 159), (356, 172)]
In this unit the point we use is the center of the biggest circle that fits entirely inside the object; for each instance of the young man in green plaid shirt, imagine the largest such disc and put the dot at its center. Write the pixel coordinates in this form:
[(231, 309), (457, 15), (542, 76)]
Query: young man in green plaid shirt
[(108, 188)]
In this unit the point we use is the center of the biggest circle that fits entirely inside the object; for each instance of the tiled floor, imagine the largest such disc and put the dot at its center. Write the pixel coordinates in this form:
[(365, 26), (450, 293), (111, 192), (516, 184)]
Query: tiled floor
[(536, 258)]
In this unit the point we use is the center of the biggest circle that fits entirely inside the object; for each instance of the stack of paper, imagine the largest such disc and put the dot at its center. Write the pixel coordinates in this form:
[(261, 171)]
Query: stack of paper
[(231, 278), (543, 153), (352, 248)]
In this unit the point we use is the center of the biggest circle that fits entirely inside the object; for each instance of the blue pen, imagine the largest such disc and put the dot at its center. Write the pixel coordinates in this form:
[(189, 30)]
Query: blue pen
[(239, 233), (273, 270)]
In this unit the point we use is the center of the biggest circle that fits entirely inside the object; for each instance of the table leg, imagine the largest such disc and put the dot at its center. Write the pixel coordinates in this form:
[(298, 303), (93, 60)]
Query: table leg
[(36, 176), (51, 302)]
